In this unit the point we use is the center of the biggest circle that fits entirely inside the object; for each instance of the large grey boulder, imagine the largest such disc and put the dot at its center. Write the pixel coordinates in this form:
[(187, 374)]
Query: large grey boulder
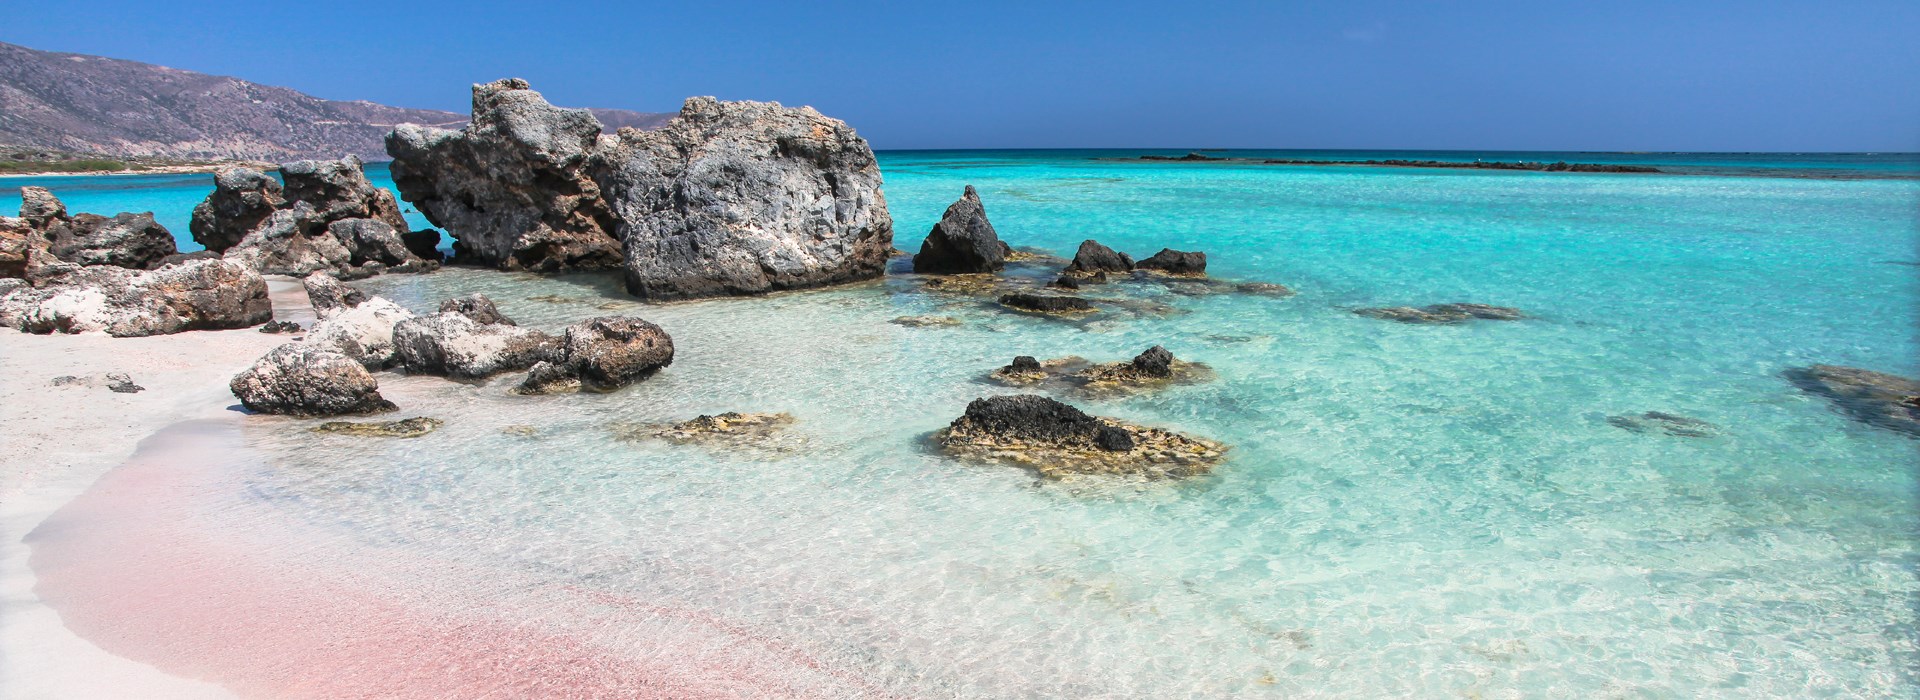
[(302, 379), (123, 240), (602, 354), (453, 344), (339, 190), (744, 198), (963, 241), (512, 186), (242, 198), (192, 295), (363, 332)]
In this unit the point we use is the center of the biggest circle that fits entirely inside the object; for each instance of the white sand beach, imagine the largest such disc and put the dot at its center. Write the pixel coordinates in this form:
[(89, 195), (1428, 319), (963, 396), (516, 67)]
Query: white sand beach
[(60, 439)]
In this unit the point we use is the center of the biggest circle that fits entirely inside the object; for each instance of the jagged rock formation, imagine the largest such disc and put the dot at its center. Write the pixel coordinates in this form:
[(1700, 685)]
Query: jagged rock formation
[(512, 186), (601, 354), (127, 240), (745, 198), (89, 104), (1095, 258), (727, 198), (327, 216), (303, 379), (1057, 439), (963, 241), (194, 295), (242, 198)]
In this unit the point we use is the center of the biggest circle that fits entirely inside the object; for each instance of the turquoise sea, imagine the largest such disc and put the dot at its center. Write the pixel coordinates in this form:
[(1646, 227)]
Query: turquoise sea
[(1424, 511)]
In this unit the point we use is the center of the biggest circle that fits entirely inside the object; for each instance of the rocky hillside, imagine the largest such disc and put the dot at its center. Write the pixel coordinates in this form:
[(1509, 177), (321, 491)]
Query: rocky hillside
[(89, 104)]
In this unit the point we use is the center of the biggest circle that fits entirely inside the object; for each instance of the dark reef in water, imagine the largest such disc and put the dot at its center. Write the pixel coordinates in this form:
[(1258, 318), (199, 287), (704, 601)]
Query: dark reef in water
[(1554, 167)]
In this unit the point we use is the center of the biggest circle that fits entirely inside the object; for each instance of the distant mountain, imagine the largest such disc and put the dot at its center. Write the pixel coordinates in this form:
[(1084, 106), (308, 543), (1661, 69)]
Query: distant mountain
[(89, 104)]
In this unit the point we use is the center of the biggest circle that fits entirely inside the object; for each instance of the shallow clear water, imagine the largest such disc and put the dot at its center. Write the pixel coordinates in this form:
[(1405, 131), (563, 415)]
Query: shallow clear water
[(1408, 510)]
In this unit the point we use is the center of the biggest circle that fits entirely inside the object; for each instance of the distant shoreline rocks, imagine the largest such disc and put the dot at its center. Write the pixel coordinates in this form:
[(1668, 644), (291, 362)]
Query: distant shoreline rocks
[(1554, 167)]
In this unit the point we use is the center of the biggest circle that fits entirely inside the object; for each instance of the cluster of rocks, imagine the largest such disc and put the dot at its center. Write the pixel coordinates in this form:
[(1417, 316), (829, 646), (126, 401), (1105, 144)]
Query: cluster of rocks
[(727, 198), (1154, 368), (1057, 439), (326, 217), (62, 273), (330, 370), (1443, 314), (1095, 260), (118, 275), (1875, 398)]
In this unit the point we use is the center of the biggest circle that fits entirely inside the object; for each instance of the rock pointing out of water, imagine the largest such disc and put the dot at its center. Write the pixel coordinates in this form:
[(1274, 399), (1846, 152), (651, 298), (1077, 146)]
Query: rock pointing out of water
[(1093, 257), (512, 187), (1057, 439), (1175, 262), (1874, 398), (962, 242), (745, 198), (300, 379)]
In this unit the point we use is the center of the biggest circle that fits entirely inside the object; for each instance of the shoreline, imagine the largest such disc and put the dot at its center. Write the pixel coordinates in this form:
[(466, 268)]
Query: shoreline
[(148, 170), (64, 439)]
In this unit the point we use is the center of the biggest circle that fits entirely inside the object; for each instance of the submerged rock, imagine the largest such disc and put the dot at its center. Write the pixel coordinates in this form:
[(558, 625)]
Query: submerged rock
[(1044, 303), (601, 354), (1174, 262), (926, 321), (1093, 257), (726, 429), (512, 187), (1267, 289), (302, 379), (1671, 424), (1057, 439), (744, 198), (1443, 313), (962, 242), (195, 295), (1875, 398), (1064, 282), (406, 428), (327, 294)]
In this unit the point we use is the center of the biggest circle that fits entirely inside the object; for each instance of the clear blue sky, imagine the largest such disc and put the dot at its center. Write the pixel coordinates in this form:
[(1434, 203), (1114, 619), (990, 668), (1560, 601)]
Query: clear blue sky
[(1543, 74)]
